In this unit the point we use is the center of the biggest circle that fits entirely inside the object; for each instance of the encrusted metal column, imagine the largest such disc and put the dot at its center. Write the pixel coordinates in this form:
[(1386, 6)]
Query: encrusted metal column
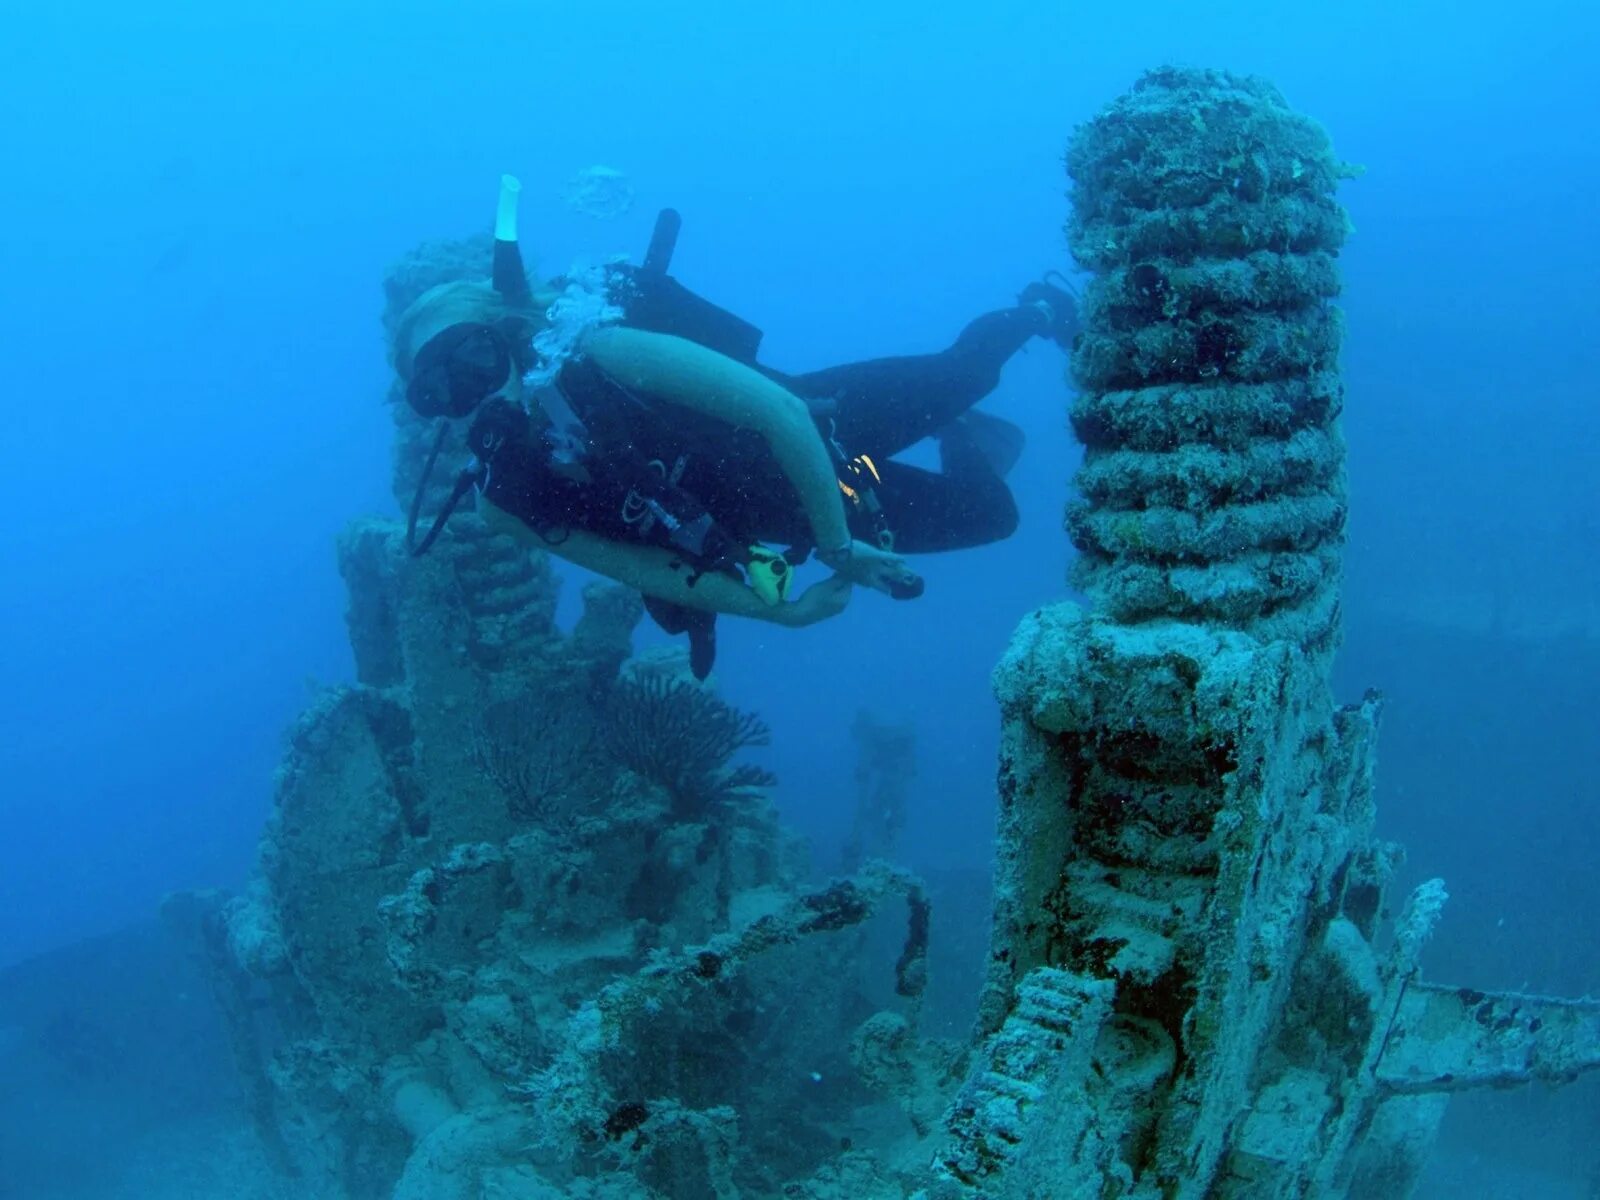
[(1185, 994), (1213, 487), (1183, 811)]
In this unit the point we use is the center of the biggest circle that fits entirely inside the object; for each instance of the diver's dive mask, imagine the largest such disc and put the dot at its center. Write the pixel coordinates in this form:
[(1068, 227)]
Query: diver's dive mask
[(458, 368)]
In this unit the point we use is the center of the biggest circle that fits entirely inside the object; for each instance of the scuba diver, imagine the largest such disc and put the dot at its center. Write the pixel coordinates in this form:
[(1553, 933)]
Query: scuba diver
[(662, 455)]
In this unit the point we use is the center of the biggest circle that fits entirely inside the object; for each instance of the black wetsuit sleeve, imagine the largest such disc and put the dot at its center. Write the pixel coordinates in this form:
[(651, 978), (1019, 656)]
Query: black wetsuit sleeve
[(510, 279)]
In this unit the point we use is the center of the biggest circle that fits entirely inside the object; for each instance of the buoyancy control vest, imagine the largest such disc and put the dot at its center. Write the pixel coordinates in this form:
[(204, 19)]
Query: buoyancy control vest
[(609, 489)]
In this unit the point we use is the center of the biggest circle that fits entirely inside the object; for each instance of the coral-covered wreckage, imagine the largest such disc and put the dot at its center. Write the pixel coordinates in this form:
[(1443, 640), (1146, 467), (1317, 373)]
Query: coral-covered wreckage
[(523, 928)]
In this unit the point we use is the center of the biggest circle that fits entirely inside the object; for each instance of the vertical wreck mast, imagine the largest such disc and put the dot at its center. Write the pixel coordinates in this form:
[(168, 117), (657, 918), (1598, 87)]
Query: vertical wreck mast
[(1191, 990)]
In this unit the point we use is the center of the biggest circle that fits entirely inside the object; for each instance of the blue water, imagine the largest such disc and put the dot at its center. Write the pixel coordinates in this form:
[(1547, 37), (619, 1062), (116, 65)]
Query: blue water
[(200, 201)]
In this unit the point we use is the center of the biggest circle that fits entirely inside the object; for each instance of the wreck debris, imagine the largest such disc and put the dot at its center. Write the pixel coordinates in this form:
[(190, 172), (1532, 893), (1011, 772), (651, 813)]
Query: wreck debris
[(1186, 993), (886, 772)]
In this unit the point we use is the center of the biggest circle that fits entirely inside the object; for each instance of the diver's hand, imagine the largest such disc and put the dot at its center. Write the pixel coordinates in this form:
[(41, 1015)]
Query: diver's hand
[(871, 567), (817, 603)]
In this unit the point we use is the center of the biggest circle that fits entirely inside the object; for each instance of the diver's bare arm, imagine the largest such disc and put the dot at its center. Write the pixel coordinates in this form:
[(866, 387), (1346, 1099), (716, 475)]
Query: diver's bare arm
[(683, 372), (650, 569)]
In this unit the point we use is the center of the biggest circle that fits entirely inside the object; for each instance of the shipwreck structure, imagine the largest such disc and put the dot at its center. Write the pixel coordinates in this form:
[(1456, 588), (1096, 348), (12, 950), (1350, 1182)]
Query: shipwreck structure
[(525, 927), (1193, 987)]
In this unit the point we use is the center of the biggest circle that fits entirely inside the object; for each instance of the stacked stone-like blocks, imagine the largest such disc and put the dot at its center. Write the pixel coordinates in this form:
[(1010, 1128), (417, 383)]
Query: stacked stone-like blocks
[(1212, 488)]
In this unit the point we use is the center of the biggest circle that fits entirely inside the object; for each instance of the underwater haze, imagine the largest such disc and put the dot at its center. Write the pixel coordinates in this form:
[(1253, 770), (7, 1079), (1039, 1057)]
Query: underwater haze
[(202, 202)]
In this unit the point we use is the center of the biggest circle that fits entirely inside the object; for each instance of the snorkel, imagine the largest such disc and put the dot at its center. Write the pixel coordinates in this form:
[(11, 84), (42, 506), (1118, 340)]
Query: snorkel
[(509, 277), (505, 216)]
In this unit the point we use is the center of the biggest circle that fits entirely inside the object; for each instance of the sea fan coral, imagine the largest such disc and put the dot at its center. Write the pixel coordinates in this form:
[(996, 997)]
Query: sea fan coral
[(681, 736)]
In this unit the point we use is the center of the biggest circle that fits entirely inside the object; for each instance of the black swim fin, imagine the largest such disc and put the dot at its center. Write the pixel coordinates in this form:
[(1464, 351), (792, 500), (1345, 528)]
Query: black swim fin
[(998, 442), (699, 625)]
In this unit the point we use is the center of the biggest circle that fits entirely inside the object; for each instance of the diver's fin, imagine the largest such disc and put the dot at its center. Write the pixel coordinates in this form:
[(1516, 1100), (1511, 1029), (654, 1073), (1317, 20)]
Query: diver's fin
[(994, 439), (702, 645), (699, 625)]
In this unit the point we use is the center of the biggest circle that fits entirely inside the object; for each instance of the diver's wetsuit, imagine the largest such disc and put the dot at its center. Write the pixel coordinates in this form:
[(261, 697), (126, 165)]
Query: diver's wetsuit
[(884, 406), (877, 408)]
